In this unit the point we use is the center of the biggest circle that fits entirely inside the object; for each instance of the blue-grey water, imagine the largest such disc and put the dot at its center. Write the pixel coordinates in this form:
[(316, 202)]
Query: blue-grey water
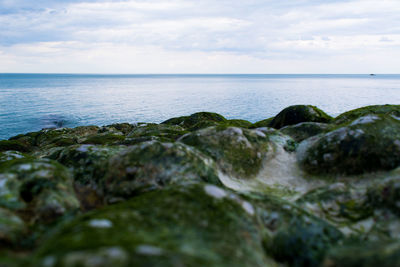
[(30, 102)]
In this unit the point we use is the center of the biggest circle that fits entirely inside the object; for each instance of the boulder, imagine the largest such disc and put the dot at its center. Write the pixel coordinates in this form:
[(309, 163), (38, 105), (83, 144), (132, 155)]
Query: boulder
[(41, 189), (238, 152), (304, 130), (197, 225), (299, 113), (369, 143), (152, 165)]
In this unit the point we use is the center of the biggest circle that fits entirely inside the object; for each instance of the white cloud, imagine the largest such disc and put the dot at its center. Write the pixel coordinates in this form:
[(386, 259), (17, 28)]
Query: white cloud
[(200, 36)]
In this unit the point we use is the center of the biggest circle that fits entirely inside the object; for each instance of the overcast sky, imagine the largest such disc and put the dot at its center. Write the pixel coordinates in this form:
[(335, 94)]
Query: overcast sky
[(200, 36)]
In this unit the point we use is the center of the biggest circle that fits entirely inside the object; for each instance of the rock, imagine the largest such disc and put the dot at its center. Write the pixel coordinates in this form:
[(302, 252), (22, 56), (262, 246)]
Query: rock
[(165, 131), (123, 128), (351, 115), (197, 225), (291, 234), (12, 228), (48, 138), (10, 155), (237, 151), (370, 143), (41, 189), (304, 130), (263, 123), (299, 113), (104, 139), (190, 121), (15, 145), (152, 165), (89, 164), (385, 194), (239, 123), (364, 254)]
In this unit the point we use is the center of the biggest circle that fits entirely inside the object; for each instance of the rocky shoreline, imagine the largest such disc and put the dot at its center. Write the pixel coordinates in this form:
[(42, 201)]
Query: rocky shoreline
[(299, 189)]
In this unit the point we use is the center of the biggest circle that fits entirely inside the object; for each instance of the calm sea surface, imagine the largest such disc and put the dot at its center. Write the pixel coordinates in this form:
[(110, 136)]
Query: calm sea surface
[(30, 102)]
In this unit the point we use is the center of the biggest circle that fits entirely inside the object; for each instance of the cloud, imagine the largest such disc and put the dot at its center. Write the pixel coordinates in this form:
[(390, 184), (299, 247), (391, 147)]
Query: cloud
[(189, 35)]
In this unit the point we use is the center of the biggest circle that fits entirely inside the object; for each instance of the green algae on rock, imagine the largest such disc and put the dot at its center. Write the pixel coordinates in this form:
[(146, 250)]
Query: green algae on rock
[(351, 115), (192, 120), (151, 165), (41, 189), (291, 234), (369, 143), (165, 131), (364, 254), (197, 225), (12, 228), (299, 113), (304, 130), (237, 151), (262, 123)]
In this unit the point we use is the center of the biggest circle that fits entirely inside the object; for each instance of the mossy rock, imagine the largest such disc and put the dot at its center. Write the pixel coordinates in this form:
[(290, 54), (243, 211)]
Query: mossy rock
[(89, 163), (104, 139), (152, 165), (304, 130), (40, 189), (351, 115), (291, 234), (198, 225), (171, 132), (123, 128), (190, 121), (15, 145), (299, 113), (339, 203), (48, 138), (11, 155), (364, 254), (239, 123), (12, 228), (262, 123), (370, 143), (385, 194), (239, 152)]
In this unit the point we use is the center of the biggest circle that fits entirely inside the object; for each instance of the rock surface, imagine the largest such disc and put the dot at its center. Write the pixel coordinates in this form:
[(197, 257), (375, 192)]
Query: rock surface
[(298, 189)]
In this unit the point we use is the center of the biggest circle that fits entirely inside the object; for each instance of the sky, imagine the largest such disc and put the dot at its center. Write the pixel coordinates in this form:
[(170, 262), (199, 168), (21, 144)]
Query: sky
[(200, 36)]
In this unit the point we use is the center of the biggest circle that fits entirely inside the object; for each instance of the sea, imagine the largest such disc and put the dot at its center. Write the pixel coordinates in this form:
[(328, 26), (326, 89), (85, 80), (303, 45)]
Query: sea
[(31, 102)]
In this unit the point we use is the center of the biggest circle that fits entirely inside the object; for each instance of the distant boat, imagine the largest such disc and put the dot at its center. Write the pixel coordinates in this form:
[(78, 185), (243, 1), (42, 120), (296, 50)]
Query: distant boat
[(372, 74)]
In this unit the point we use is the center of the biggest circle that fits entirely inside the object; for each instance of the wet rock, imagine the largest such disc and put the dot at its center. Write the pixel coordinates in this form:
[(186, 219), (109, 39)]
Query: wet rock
[(89, 164), (291, 234), (152, 165), (15, 145), (239, 123), (370, 143), (364, 254), (198, 225), (40, 189), (200, 117), (165, 131), (385, 194), (123, 128), (304, 130), (237, 151), (12, 228), (10, 155), (299, 113), (104, 139), (393, 110), (262, 123)]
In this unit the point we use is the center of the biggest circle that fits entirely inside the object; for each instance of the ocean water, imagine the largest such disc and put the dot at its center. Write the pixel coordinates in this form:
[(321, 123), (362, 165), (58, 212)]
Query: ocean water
[(30, 102)]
